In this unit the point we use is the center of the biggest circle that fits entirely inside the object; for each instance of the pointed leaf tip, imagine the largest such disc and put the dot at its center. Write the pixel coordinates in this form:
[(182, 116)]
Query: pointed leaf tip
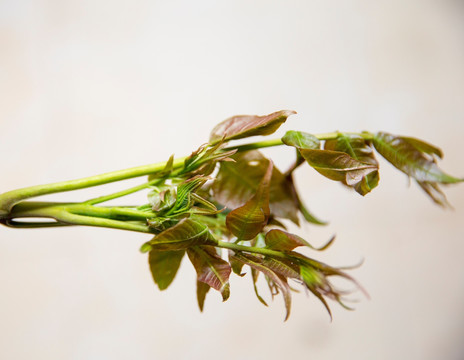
[(211, 269), (242, 126), (164, 266)]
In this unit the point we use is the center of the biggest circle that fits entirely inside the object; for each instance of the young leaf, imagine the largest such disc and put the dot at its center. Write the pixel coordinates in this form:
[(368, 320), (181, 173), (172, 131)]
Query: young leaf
[(357, 147), (211, 269), (283, 241), (184, 191), (301, 140), (407, 158), (164, 266), (284, 268), (277, 239), (242, 126), (339, 166), (256, 263), (248, 220), (313, 282), (415, 158), (254, 277), (202, 290), (166, 171), (238, 181), (181, 236)]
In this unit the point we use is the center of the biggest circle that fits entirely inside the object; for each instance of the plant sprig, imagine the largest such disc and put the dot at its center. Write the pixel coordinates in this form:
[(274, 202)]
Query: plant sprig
[(224, 205)]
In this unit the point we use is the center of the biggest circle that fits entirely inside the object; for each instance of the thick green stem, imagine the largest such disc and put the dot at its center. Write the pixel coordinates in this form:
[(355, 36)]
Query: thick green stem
[(9, 199), (81, 214)]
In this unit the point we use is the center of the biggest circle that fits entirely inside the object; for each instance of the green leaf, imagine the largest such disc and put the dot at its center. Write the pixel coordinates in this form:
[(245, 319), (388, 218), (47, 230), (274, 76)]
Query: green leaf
[(238, 181), (236, 266), (254, 277), (181, 236), (423, 146), (164, 266), (339, 166), (407, 158), (248, 220), (202, 290), (162, 198), (281, 283), (357, 148), (242, 126), (211, 269), (416, 159), (313, 281), (184, 191), (301, 140)]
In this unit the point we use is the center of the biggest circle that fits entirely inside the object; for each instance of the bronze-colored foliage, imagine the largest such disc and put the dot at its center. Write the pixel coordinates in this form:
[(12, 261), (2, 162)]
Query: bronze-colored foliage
[(359, 149), (417, 159), (242, 126), (211, 270), (235, 218), (249, 220), (236, 182)]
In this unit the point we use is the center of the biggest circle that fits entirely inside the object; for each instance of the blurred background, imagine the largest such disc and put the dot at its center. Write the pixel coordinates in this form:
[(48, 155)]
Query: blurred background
[(88, 87)]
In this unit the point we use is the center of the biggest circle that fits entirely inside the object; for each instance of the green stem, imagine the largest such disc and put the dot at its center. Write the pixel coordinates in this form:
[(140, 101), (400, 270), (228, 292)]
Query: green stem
[(9, 199), (81, 214), (251, 249), (122, 193)]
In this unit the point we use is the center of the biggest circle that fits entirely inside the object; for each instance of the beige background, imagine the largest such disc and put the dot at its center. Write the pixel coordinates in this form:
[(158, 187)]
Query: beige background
[(93, 86)]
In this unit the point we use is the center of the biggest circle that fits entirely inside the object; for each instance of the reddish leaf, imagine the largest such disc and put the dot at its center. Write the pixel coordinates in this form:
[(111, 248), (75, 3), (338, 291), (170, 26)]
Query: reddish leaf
[(256, 263), (277, 239), (357, 148), (338, 166), (210, 268), (248, 220), (241, 126), (416, 159), (164, 266), (237, 182)]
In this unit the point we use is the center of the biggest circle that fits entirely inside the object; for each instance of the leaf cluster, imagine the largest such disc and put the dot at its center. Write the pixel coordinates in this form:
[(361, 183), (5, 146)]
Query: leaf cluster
[(226, 207)]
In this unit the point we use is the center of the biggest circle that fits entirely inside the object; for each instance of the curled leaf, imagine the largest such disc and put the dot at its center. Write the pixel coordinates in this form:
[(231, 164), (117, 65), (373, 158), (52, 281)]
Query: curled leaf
[(301, 140), (242, 126), (181, 236), (248, 220), (339, 166), (211, 269), (357, 148)]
